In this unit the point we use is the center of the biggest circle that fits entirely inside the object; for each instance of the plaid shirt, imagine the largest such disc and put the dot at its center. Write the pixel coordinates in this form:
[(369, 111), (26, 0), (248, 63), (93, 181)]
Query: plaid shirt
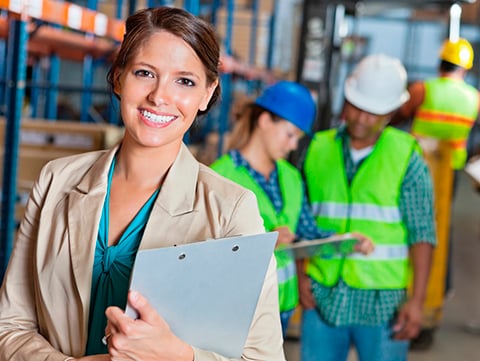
[(306, 227), (342, 305)]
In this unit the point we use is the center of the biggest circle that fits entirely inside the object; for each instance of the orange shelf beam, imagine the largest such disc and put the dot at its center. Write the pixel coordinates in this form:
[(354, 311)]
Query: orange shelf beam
[(67, 15)]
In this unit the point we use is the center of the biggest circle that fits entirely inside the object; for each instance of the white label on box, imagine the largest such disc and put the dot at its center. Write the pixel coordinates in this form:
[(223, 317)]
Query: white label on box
[(35, 8), (101, 21), (16, 6), (74, 19), (73, 141), (68, 141)]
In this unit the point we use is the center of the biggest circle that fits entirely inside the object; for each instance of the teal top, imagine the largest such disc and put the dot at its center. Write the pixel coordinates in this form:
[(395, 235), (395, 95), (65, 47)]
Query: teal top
[(112, 267)]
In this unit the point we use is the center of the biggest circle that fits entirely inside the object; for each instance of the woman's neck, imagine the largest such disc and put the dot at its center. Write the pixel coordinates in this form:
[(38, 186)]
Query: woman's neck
[(146, 167), (258, 158)]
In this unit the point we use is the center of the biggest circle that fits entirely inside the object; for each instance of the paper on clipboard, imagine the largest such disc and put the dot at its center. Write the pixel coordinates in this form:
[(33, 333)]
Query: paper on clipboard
[(321, 246), (206, 291), (472, 168)]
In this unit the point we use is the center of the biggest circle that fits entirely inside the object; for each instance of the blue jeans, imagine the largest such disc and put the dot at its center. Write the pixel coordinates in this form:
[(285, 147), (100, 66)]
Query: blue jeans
[(321, 342), (285, 318)]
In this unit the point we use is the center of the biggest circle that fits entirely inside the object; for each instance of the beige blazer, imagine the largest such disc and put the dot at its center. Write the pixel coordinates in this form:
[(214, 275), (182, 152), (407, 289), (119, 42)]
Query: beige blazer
[(45, 297)]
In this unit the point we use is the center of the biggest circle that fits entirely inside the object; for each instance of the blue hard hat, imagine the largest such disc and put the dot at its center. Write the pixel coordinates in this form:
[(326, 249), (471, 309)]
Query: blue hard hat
[(291, 101)]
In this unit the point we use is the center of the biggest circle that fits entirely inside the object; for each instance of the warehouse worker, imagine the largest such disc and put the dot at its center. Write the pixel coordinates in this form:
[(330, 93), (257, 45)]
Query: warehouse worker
[(67, 281), (369, 177), (446, 107), (267, 131)]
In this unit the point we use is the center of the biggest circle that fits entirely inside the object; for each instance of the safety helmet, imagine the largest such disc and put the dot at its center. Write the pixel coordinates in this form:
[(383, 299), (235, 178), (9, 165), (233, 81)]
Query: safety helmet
[(290, 101), (458, 52), (377, 85)]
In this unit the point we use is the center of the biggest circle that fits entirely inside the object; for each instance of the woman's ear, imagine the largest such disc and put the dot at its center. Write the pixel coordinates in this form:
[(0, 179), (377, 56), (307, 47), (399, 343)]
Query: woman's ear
[(117, 86), (208, 95), (264, 119)]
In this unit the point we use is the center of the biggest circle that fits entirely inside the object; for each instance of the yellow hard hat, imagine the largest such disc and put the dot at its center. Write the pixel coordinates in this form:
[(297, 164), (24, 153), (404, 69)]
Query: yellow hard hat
[(459, 53)]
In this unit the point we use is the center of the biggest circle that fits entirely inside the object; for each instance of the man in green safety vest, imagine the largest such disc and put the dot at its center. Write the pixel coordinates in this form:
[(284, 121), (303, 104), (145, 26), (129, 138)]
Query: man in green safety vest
[(267, 130), (368, 177)]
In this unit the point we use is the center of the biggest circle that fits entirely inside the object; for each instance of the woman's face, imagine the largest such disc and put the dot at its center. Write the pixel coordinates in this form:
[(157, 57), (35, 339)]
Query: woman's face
[(280, 137), (161, 90)]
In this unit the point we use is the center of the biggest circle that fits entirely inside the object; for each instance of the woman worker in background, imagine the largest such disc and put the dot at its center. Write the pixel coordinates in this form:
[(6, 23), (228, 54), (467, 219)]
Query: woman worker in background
[(267, 131)]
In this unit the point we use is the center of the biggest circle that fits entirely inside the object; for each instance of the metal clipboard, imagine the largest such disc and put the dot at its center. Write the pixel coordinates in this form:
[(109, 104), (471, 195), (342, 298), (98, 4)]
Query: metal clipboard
[(206, 291), (311, 248)]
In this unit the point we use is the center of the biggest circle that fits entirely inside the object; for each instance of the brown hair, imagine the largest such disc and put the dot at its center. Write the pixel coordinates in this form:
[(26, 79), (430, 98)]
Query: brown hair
[(197, 33), (245, 124)]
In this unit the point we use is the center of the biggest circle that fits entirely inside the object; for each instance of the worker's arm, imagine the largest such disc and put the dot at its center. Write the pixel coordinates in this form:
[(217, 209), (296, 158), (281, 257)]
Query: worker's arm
[(478, 117), (409, 108), (410, 315), (417, 209)]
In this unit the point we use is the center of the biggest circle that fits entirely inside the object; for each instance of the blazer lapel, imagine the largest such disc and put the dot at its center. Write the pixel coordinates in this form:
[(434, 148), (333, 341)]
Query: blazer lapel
[(85, 206), (172, 214)]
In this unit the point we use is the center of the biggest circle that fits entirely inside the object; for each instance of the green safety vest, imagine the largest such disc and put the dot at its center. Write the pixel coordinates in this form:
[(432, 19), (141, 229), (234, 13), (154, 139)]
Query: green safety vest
[(448, 112), (370, 205), (292, 194)]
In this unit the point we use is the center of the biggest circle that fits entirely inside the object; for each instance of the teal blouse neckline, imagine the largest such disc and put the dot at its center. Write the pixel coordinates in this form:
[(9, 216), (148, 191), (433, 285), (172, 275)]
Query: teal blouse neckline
[(112, 268)]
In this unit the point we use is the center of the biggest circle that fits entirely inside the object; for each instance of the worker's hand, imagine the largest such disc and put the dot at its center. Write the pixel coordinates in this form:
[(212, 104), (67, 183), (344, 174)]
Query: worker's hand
[(409, 321), (147, 338), (364, 245), (285, 236), (304, 287), (105, 357)]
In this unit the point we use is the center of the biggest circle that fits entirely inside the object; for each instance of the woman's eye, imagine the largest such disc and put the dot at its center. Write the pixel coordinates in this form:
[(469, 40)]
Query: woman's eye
[(144, 73), (185, 81)]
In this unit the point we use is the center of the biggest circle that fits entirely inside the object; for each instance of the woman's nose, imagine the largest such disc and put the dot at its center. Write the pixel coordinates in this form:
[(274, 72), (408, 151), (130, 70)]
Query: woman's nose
[(159, 94)]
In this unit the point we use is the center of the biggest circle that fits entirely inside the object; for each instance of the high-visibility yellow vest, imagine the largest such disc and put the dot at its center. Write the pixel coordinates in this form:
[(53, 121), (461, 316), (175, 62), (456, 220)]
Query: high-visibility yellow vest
[(292, 194), (448, 113), (370, 205)]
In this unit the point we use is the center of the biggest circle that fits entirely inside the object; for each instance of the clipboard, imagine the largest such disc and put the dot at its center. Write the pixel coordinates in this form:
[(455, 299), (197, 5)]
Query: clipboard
[(472, 168), (206, 291), (338, 243)]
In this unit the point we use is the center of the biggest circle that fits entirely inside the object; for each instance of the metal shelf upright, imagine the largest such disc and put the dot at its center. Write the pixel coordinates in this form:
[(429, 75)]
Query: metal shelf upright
[(15, 92), (19, 17)]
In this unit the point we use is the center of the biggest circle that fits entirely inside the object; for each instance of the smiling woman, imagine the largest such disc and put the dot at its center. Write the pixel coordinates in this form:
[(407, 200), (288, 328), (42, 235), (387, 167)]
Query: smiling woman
[(88, 215)]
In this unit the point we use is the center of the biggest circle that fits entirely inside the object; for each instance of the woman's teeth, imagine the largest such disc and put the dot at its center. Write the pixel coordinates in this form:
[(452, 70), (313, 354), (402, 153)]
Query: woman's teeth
[(157, 118)]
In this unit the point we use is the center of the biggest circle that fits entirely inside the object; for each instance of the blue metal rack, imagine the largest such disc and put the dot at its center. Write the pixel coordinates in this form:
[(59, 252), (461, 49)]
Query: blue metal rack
[(15, 92)]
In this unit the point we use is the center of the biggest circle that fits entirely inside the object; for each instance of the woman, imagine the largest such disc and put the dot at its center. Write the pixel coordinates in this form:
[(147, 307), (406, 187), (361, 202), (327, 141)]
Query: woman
[(265, 134), (89, 214)]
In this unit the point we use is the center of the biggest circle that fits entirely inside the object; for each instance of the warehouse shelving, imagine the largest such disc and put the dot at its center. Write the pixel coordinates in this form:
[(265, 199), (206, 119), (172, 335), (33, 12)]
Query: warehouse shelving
[(37, 31)]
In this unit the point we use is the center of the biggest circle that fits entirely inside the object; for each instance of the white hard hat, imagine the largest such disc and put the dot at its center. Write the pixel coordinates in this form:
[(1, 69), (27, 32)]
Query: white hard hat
[(377, 85)]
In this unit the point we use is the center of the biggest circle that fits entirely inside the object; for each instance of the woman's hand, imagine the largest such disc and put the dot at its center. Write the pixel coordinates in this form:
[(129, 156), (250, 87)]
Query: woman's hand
[(307, 301), (285, 236), (364, 245), (147, 338)]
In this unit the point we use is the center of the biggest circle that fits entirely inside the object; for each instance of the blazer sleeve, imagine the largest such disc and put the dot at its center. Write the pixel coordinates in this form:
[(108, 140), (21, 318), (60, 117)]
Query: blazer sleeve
[(20, 338)]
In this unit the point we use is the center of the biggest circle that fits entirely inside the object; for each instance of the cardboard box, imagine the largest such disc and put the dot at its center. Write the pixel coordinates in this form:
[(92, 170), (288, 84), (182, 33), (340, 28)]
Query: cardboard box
[(43, 140), (241, 33)]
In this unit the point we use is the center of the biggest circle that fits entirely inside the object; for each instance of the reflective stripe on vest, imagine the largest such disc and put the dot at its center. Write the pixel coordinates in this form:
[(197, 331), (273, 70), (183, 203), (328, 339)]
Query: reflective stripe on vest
[(380, 253), (287, 272), (369, 204), (291, 187), (448, 112), (386, 214)]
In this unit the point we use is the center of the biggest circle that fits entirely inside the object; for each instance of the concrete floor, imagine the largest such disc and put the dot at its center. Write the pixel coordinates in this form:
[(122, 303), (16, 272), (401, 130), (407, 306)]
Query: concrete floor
[(452, 342)]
